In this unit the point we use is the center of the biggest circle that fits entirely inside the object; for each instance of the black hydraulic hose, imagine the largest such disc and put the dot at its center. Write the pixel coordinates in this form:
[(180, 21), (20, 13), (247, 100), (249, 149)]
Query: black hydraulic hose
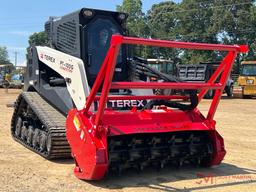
[(163, 76), (184, 107), (140, 68)]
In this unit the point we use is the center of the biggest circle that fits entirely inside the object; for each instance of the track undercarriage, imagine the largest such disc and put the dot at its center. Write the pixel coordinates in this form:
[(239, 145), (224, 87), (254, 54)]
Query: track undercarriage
[(39, 127)]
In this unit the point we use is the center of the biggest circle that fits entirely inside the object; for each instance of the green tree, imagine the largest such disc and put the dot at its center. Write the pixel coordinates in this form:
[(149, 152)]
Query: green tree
[(251, 35), (231, 20), (136, 23), (36, 39), (161, 20), (234, 23), (163, 24), (4, 58), (195, 22), (39, 38), (219, 21)]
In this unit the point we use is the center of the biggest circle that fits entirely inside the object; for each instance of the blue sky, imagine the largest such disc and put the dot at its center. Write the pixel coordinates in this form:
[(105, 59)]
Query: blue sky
[(20, 18)]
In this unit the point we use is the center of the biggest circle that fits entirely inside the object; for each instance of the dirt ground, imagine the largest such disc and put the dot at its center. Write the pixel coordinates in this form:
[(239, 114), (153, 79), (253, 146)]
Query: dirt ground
[(22, 170)]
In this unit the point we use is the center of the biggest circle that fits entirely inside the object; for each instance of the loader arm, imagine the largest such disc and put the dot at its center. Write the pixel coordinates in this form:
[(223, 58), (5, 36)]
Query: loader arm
[(71, 69)]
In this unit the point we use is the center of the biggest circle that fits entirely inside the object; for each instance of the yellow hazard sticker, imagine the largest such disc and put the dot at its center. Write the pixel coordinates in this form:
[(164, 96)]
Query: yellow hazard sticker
[(76, 123)]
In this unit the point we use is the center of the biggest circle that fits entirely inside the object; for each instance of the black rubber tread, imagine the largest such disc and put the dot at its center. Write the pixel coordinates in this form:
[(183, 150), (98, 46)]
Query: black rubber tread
[(54, 126)]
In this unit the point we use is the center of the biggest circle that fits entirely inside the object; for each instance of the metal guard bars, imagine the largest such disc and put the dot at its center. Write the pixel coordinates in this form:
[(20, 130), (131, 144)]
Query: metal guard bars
[(107, 70)]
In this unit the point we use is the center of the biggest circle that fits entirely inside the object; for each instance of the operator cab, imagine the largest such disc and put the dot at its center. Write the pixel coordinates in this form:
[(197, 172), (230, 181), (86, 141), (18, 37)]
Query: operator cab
[(97, 42), (248, 69), (87, 34)]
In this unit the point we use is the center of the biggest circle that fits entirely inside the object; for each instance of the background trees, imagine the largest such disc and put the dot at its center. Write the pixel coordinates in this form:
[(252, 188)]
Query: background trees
[(36, 39), (4, 59), (218, 21), (210, 21), (163, 24), (136, 20)]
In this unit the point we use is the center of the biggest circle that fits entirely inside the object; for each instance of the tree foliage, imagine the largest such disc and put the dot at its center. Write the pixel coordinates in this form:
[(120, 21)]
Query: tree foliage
[(195, 25), (163, 24), (4, 58), (218, 21), (136, 20), (136, 23), (161, 20), (39, 38), (234, 24)]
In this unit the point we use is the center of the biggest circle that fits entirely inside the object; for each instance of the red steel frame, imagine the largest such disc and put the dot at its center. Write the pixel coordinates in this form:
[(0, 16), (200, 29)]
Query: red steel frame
[(87, 131), (107, 70)]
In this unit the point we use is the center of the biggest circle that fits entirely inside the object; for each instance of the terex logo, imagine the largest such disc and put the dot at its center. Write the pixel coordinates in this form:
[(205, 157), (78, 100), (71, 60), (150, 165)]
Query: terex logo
[(125, 103), (47, 57)]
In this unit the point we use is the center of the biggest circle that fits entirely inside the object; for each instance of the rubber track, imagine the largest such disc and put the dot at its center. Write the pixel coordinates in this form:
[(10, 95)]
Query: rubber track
[(53, 121)]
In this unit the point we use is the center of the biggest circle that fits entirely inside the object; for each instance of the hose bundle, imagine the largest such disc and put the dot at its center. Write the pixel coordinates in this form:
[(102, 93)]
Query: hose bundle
[(140, 71)]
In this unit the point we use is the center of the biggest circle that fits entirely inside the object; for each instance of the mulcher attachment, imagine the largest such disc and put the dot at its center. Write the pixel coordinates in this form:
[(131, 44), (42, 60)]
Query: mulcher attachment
[(163, 133), (161, 149)]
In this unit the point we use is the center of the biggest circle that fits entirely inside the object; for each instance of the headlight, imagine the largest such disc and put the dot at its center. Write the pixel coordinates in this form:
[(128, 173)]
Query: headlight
[(88, 13), (249, 81), (122, 16)]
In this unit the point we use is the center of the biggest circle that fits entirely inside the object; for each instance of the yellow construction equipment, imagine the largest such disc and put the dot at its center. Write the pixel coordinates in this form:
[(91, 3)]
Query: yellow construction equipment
[(247, 79)]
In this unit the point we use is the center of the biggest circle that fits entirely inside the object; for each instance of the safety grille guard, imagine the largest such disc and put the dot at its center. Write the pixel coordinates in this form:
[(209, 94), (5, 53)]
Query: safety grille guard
[(106, 72)]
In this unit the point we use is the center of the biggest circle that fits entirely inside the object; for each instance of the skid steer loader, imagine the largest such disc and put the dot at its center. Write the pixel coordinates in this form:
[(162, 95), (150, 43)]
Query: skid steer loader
[(85, 96)]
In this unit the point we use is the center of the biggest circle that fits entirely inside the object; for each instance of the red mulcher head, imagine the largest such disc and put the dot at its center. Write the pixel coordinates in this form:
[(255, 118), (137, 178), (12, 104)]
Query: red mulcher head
[(110, 139)]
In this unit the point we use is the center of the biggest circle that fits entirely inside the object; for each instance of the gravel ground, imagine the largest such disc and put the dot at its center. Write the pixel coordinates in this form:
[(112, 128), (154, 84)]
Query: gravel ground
[(22, 170)]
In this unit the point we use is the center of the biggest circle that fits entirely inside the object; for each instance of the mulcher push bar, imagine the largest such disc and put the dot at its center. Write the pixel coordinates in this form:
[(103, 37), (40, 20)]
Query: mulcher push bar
[(109, 139), (107, 70)]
